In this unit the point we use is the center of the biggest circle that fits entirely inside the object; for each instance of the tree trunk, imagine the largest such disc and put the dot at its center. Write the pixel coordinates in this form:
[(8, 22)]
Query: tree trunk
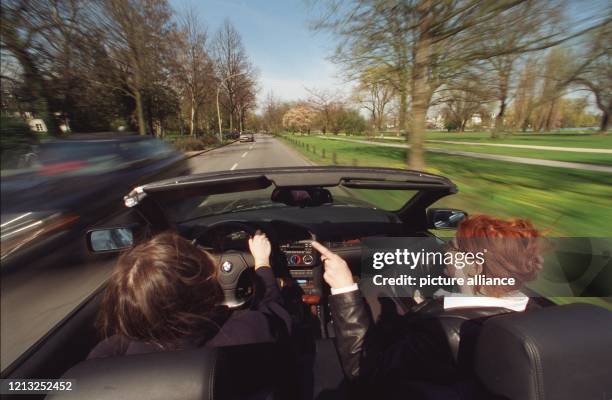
[(142, 130), (499, 118), (420, 97), (605, 121), (192, 117), (403, 91)]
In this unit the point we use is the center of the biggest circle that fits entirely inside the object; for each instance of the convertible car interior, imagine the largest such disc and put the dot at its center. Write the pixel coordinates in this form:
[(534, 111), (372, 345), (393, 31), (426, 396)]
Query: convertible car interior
[(550, 352)]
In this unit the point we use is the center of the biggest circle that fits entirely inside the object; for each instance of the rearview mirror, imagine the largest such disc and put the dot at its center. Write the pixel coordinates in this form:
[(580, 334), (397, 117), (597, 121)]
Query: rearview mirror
[(307, 197), (110, 239), (444, 218)]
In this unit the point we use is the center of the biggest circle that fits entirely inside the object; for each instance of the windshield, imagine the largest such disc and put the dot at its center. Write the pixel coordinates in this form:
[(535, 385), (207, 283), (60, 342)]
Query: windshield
[(202, 206)]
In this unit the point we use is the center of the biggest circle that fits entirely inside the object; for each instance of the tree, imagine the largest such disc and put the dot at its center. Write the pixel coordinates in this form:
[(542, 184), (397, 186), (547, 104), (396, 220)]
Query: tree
[(524, 102), (596, 75), (375, 93), (326, 104), (273, 112), (557, 74), (299, 118), (136, 37), (350, 121), (434, 40), (598, 79), (527, 19), (194, 68), (234, 70)]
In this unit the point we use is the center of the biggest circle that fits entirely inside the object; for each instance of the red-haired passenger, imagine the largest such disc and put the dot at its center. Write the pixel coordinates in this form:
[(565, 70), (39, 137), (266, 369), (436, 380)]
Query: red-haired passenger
[(433, 343)]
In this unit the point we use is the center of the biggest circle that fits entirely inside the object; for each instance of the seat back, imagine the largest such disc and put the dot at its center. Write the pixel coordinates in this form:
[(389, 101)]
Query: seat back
[(559, 352), (236, 372)]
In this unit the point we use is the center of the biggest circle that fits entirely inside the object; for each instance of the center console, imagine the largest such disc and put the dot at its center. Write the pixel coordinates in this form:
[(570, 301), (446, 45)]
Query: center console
[(304, 265)]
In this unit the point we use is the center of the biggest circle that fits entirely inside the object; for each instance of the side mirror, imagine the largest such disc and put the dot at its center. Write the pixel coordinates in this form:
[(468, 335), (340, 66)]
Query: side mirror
[(109, 239), (444, 218)]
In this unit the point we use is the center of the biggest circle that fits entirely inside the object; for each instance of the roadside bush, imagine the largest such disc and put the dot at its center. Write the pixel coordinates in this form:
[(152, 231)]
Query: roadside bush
[(351, 122), (190, 143), (16, 140)]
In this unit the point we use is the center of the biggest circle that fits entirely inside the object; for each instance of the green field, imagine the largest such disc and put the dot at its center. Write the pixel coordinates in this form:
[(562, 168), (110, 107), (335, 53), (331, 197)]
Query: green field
[(587, 158), (561, 202), (559, 139)]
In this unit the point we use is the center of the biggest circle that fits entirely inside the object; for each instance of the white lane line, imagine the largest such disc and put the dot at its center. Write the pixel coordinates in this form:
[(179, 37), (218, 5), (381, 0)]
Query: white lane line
[(234, 167), (251, 148), (244, 154)]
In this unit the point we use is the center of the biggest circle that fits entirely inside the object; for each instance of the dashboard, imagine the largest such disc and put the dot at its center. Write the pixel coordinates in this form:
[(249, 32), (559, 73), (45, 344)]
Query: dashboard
[(299, 254)]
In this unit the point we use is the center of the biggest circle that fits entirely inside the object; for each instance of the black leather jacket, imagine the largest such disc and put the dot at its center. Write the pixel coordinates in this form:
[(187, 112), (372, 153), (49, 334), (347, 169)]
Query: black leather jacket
[(429, 344)]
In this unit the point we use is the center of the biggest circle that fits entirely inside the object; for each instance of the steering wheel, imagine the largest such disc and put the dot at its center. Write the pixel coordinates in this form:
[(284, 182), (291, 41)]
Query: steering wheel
[(231, 264)]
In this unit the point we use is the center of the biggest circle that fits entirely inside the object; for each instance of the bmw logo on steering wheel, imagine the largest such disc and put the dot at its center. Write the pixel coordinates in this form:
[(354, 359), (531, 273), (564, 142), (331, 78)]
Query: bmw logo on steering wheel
[(227, 266)]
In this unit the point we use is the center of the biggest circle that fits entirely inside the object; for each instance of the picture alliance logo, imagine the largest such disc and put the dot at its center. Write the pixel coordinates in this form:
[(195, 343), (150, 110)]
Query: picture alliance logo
[(411, 259)]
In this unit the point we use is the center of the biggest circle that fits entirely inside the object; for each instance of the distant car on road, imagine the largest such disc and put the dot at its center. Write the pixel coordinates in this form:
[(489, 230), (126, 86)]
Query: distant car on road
[(73, 184), (247, 137)]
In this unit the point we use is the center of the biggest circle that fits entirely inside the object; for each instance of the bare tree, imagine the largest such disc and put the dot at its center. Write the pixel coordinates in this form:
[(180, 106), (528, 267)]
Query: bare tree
[(234, 69), (325, 103), (273, 112), (135, 35), (527, 18), (596, 75), (524, 102), (437, 38), (193, 69), (374, 93)]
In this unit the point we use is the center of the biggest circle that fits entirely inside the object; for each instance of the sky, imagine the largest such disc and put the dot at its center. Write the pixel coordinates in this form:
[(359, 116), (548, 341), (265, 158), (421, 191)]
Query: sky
[(288, 55), (291, 57)]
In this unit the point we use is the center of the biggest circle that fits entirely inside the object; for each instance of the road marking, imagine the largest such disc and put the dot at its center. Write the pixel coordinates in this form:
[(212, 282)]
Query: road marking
[(251, 148), (234, 167), (244, 154)]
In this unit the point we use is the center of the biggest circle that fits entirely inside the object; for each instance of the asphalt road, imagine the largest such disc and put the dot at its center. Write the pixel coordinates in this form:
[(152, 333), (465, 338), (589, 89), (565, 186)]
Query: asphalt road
[(34, 299), (265, 152)]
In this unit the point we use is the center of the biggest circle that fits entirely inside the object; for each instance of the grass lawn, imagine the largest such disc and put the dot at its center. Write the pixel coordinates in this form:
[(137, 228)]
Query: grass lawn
[(588, 158), (560, 139), (562, 202)]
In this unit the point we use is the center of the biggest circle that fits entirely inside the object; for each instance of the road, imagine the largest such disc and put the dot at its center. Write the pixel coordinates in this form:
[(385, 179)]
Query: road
[(34, 298), (495, 157), (265, 152)]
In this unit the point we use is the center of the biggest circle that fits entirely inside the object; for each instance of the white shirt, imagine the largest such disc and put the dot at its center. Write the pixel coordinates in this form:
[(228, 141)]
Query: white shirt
[(345, 289), (518, 302)]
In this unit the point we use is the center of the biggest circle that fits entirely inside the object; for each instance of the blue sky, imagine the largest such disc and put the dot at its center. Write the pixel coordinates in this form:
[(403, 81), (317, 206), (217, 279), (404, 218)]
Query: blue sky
[(288, 55)]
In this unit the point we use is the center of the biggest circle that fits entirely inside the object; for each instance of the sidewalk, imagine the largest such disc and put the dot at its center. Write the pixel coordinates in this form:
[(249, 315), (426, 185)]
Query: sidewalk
[(519, 160), (528, 146)]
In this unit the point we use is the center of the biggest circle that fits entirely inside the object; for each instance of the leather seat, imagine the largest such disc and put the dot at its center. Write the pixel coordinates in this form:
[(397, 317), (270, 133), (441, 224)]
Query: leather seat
[(560, 352), (261, 371)]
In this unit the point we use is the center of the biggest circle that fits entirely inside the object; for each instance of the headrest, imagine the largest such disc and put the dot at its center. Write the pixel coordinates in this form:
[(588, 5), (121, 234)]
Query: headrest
[(235, 372), (559, 352)]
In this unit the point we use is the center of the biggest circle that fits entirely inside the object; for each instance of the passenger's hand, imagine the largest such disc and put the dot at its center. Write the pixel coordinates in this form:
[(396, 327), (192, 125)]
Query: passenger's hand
[(260, 248), (337, 273)]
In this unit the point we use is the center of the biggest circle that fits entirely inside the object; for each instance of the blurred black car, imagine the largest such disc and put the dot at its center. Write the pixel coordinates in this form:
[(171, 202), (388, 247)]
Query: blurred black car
[(73, 184)]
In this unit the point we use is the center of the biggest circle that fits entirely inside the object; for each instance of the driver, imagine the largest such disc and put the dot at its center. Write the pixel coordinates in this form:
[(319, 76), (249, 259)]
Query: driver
[(420, 348), (164, 295)]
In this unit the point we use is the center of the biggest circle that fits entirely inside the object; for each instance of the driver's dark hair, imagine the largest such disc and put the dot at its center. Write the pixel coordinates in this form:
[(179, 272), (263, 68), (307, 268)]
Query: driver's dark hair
[(162, 292)]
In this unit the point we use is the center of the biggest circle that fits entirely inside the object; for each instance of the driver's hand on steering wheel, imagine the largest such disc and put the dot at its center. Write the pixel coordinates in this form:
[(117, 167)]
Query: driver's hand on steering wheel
[(337, 272), (260, 248)]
